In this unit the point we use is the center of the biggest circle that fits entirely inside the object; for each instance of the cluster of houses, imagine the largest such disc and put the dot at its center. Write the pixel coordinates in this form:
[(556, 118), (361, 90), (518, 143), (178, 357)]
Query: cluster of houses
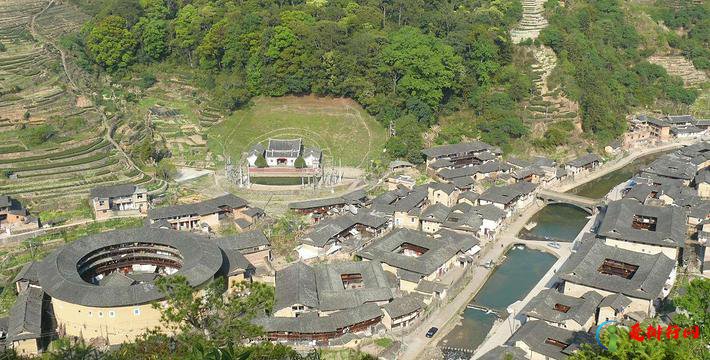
[(15, 218), (644, 130), (625, 268)]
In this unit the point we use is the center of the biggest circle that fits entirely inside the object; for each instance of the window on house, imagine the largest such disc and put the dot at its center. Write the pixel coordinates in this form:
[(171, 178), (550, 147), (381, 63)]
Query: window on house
[(111, 314), (617, 268), (101, 314), (136, 311)]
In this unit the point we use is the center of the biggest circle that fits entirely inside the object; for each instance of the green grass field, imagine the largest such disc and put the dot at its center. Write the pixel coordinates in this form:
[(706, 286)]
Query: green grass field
[(340, 127)]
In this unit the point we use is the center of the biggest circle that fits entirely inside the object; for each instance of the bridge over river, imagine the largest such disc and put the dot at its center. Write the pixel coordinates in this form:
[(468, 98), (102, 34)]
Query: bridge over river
[(554, 197)]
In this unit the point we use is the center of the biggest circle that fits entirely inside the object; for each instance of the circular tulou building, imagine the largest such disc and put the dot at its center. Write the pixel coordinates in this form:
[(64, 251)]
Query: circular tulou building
[(103, 286)]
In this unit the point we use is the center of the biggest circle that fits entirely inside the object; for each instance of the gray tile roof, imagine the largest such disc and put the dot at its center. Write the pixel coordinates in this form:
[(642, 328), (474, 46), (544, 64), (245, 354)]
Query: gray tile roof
[(430, 287), (439, 251), (679, 119), (686, 130), (403, 306), (356, 197), (112, 191), (413, 199), (507, 194), (585, 160), (641, 192), (646, 283), (471, 196), (489, 212), (296, 284), (333, 296), (672, 167), (116, 279), (283, 147), (445, 187), (615, 301), (312, 323), (234, 262), (435, 213), (453, 149), (200, 208), (25, 320), (59, 277), (28, 272), (450, 174), (328, 229), (542, 306), (535, 333), (463, 182), (670, 224), (5, 201), (243, 241)]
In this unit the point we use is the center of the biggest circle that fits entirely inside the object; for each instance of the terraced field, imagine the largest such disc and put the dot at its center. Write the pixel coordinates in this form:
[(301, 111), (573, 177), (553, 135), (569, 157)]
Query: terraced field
[(36, 91)]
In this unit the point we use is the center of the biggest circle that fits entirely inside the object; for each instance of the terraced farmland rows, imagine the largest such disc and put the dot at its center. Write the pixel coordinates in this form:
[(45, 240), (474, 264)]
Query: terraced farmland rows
[(33, 79), (548, 105), (680, 66)]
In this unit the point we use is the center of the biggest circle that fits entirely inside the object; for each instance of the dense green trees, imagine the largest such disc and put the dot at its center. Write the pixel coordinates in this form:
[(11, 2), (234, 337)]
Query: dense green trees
[(111, 44), (598, 49)]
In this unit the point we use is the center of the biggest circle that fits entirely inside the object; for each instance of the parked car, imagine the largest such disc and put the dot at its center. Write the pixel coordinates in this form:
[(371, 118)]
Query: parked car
[(432, 332)]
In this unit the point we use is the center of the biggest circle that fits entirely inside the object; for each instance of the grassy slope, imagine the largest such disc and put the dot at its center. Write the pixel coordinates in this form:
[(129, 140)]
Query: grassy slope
[(340, 127)]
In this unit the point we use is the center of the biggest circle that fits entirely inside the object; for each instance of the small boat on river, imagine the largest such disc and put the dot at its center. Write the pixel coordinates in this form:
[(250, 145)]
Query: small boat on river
[(529, 226)]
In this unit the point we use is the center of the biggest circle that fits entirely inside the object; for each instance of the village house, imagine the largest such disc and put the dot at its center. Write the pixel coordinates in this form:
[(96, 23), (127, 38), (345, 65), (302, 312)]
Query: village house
[(459, 155), (630, 225), (584, 163), (645, 130), (702, 184), (119, 200), (412, 255), (393, 182), (433, 216), (326, 288), (557, 309), (697, 154), (463, 218), (510, 197), (319, 208), (401, 312), (26, 278), (643, 278), (283, 153), (351, 232), (24, 333), (252, 244), (442, 193), (672, 167), (612, 307), (14, 218), (408, 208), (204, 215), (704, 244), (541, 341)]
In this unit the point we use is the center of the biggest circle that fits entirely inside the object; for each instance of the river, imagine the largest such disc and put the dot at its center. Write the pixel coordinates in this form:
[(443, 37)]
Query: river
[(510, 282)]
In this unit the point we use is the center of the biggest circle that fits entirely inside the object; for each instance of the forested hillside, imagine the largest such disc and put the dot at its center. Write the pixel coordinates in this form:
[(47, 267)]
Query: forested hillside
[(408, 62)]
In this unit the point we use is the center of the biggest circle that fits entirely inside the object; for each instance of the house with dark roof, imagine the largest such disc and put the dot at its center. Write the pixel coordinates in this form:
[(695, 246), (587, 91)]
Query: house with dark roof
[(26, 278), (24, 333), (630, 225), (540, 340), (702, 183), (672, 167), (463, 218), (412, 255), (612, 307), (509, 197), (402, 312), (460, 155), (596, 266), (284, 152), (326, 288), (204, 215), (442, 193), (350, 231), (408, 208), (319, 208), (586, 162), (255, 247), (433, 216), (119, 200), (15, 218), (558, 309)]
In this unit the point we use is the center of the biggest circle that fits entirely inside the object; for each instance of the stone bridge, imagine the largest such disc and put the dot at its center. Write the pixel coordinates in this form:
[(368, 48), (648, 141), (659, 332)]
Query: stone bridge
[(554, 197)]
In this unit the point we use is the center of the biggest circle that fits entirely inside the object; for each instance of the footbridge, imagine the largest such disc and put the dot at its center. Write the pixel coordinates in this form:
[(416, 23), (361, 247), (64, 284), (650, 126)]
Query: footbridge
[(584, 203)]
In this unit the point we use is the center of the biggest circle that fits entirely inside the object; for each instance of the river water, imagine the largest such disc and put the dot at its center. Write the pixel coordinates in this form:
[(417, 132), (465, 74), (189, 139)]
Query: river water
[(523, 268), (510, 282)]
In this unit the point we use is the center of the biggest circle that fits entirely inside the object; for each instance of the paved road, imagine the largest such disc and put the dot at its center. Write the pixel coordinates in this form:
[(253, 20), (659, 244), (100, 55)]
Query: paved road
[(415, 342)]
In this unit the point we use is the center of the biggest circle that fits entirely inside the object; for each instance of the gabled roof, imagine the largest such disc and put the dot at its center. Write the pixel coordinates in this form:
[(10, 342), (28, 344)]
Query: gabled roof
[(296, 284), (615, 301), (403, 306), (672, 167), (312, 152), (585, 160), (28, 272), (507, 194), (112, 191), (504, 353), (284, 145), (311, 323), (443, 150), (535, 334), (647, 281), (116, 278), (489, 212), (328, 229), (435, 213), (413, 199), (542, 306), (444, 187), (200, 208), (354, 197), (439, 250), (243, 241), (25, 320), (670, 223)]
